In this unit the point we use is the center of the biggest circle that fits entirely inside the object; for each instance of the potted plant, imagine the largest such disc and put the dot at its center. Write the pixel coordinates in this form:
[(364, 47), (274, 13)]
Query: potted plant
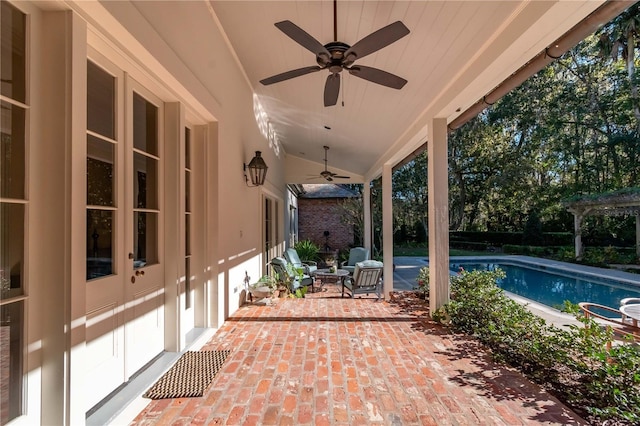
[(264, 287)]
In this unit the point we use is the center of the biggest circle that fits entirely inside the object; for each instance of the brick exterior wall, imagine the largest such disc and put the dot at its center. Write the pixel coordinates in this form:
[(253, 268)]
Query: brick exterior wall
[(316, 215)]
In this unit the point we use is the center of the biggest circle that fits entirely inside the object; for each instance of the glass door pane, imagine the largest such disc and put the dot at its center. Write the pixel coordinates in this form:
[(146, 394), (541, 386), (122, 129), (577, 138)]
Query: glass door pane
[(12, 150), (145, 182), (14, 109), (101, 172)]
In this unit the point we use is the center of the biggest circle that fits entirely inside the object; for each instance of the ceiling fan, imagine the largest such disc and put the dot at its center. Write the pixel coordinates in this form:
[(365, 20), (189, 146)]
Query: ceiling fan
[(326, 173), (337, 56)]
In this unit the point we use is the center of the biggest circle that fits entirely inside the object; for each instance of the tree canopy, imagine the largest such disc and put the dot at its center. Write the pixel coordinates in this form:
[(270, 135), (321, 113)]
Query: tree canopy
[(571, 129)]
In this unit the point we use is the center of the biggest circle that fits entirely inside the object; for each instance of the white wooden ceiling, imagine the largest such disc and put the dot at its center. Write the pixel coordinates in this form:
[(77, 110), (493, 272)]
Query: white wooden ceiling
[(456, 52)]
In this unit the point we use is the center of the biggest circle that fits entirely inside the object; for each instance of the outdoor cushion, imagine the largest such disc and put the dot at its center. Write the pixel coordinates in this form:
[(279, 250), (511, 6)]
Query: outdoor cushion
[(310, 267), (356, 254)]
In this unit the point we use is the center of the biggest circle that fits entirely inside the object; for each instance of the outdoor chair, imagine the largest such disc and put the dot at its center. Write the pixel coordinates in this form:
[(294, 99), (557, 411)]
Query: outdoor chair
[(286, 272), (611, 318), (310, 266), (356, 254), (367, 278)]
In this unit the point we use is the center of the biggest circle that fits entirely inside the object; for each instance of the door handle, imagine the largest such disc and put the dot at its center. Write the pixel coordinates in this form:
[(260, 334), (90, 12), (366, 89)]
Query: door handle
[(139, 272)]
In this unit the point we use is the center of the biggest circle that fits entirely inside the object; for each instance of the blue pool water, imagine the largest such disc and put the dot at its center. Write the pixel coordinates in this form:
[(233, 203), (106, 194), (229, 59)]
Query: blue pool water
[(553, 288)]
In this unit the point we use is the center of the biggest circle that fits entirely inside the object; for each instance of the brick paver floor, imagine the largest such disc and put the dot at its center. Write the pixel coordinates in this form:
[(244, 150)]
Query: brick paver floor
[(324, 360)]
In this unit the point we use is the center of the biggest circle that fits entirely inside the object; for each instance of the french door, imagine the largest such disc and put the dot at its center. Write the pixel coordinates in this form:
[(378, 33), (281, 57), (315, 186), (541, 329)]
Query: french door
[(125, 273)]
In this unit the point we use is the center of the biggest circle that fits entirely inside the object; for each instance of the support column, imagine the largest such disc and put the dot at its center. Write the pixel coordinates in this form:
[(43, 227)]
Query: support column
[(366, 209), (387, 230), (438, 172)]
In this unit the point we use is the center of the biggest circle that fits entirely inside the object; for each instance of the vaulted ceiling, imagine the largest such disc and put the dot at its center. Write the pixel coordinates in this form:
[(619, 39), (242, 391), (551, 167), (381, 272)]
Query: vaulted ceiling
[(455, 53)]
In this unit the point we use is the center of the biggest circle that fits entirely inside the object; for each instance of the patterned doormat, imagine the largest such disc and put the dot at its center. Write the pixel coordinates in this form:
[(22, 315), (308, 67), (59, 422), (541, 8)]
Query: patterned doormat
[(190, 375)]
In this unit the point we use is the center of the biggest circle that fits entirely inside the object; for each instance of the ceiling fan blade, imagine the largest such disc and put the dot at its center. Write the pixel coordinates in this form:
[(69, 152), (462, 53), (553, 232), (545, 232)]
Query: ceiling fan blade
[(331, 90), (378, 76), (289, 74), (376, 41), (301, 37), (341, 177)]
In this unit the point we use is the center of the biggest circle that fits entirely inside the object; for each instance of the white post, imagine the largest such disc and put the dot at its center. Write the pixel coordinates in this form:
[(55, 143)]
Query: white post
[(387, 230), (438, 172), (366, 209)]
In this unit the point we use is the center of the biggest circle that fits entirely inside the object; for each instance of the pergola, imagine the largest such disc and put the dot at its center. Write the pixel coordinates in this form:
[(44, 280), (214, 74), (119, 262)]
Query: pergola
[(617, 203)]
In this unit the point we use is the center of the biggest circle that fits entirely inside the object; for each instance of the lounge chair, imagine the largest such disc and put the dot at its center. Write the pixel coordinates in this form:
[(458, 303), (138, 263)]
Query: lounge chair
[(356, 254), (367, 278), (310, 266), (287, 273)]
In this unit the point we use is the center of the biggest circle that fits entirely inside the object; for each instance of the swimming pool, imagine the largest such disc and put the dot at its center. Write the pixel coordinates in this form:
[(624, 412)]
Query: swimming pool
[(552, 287)]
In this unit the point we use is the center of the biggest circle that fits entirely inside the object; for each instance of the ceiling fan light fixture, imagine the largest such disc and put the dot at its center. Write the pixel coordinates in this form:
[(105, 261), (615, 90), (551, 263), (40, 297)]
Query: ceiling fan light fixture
[(336, 56)]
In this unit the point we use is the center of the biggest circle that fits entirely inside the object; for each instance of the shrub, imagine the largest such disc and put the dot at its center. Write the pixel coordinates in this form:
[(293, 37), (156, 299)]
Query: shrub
[(574, 364), (423, 281)]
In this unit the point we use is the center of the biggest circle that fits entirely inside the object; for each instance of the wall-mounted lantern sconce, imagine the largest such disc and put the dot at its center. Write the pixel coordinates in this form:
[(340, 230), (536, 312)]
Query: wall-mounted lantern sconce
[(257, 170)]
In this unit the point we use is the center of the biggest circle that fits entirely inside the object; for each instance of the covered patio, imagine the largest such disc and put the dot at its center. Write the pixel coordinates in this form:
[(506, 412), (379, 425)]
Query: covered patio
[(130, 223), (324, 360)]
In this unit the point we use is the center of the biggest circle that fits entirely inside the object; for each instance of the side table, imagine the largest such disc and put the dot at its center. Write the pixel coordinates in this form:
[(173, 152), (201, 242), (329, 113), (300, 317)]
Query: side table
[(325, 275)]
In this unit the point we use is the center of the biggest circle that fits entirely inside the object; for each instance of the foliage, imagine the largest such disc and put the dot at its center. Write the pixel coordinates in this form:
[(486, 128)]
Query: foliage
[(299, 293), (573, 364), (410, 197), (571, 129), (307, 250), (267, 281), (532, 233), (423, 281)]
